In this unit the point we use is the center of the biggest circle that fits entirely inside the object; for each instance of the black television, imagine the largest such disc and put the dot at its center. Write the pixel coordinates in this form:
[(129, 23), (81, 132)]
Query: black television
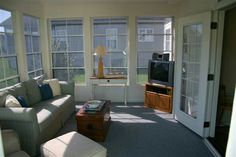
[(161, 72)]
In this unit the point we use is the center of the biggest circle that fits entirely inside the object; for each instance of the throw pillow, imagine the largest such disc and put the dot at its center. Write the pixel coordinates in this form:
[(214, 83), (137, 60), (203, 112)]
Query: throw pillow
[(11, 101), (55, 86), (22, 101), (33, 92), (3, 95), (19, 90), (46, 91)]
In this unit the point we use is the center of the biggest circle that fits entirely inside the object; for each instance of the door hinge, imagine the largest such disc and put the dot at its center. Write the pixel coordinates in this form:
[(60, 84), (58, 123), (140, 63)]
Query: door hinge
[(210, 77), (206, 124), (214, 25)]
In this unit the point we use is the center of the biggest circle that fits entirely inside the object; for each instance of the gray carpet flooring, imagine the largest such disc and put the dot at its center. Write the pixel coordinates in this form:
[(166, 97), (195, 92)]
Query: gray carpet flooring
[(137, 131)]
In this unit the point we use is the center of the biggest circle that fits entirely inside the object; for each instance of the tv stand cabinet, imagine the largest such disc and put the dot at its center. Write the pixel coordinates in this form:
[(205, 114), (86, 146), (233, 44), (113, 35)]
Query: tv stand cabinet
[(159, 97)]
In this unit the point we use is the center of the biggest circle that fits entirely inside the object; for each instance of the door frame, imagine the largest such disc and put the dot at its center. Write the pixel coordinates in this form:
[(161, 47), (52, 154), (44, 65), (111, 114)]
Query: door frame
[(217, 61), (217, 68)]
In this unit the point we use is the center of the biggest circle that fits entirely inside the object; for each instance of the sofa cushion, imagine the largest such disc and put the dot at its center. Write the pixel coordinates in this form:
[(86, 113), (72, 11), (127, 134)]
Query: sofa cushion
[(48, 110), (19, 154), (72, 144), (11, 101), (54, 84), (19, 90), (67, 87), (46, 91), (33, 92), (3, 95)]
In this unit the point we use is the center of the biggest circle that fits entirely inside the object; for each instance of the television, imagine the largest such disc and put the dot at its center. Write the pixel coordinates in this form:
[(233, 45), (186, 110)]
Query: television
[(161, 72)]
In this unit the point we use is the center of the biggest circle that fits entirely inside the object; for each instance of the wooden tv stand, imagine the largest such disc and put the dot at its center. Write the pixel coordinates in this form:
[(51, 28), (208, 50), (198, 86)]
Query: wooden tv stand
[(159, 97)]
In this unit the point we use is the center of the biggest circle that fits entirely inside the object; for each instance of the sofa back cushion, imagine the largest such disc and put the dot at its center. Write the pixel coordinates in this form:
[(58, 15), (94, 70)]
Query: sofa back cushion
[(19, 90), (32, 91), (55, 86)]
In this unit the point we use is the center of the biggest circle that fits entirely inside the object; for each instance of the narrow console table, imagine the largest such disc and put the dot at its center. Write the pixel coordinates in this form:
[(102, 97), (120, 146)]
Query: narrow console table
[(110, 81)]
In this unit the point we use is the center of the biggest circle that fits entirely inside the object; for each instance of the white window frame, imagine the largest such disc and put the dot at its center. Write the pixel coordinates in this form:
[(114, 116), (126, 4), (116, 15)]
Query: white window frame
[(67, 52), (148, 34), (167, 28), (31, 35), (6, 79), (145, 35), (113, 37)]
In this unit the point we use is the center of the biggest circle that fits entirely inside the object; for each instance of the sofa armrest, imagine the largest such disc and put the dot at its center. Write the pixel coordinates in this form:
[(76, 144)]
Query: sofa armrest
[(67, 87), (24, 122), (18, 114), (11, 141)]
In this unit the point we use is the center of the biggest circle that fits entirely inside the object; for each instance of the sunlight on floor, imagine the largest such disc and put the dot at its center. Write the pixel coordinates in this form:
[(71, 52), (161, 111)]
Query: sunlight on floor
[(128, 118), (123, 106)]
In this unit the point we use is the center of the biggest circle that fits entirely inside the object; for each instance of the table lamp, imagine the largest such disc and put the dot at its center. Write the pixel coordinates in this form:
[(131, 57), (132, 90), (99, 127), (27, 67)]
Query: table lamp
[(100, 51)]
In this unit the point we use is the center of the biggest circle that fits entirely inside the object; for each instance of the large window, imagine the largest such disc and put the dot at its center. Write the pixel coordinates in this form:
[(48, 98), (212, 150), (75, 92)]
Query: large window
[(67, 48), (32, 46), (8, 59), (154, 35), (111, 33)]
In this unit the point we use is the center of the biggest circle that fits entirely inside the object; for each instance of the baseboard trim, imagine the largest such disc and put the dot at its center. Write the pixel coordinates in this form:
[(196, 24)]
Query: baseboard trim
[(211, 148)]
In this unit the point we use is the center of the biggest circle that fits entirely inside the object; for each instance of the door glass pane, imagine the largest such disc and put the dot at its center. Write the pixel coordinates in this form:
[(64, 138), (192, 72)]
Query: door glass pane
[(191, 57)]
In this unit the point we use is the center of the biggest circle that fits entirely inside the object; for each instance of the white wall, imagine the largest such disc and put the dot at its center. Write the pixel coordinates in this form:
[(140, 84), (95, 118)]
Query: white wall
[(32, 7), (190, 7), (130, 10)]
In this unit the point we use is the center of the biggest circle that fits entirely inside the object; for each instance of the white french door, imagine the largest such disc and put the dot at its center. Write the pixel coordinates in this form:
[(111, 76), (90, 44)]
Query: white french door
[(191, 72)]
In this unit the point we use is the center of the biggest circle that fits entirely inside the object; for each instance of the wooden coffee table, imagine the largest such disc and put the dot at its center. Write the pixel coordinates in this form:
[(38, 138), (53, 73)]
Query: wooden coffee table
[(94, 125)]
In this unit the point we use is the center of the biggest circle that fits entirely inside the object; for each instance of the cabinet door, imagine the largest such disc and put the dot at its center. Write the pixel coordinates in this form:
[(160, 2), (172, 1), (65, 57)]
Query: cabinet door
[(164, 103), (150, 99)]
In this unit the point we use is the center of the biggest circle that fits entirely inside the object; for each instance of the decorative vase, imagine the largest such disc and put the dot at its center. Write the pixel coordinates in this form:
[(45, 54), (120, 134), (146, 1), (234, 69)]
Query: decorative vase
[(100, 68)]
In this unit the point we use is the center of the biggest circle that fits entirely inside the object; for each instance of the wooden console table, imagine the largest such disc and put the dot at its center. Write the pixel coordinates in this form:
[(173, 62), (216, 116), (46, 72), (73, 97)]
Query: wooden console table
[(159, 97), (110, 81)]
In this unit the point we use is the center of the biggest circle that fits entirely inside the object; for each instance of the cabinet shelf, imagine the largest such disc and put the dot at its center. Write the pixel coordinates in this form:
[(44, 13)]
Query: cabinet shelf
[(159, 97)]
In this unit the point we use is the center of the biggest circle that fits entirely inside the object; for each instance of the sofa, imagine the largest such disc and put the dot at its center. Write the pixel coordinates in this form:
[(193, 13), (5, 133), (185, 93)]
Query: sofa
[(11, 144), (40, 121)]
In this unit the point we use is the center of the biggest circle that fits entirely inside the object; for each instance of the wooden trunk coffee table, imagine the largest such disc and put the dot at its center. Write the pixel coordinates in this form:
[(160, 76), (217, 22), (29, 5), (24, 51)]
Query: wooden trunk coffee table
[(94, 125)]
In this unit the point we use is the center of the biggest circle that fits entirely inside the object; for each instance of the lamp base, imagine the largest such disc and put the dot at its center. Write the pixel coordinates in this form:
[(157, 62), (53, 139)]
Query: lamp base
[(100, 68)]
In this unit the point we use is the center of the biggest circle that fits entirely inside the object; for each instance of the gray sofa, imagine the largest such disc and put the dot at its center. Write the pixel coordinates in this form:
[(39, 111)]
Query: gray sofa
[(42, 120)]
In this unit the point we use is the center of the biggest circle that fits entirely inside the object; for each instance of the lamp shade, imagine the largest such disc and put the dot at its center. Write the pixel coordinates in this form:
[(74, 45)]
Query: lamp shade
[(100, 50)]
